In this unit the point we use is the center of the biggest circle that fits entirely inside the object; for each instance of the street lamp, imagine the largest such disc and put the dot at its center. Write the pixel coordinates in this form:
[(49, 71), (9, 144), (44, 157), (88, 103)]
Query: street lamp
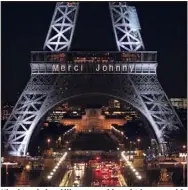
[(184, 147), (48, 141), (6, 174), (130, 143), (138, 140), (122, 136), (184, 163), (27, 170), (28, 167), (59, 139), (6, 165)]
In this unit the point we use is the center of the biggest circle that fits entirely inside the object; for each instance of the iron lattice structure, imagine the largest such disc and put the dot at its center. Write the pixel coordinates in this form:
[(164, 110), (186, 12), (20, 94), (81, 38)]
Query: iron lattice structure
[(62, 27), (126, 26), (43, 91)]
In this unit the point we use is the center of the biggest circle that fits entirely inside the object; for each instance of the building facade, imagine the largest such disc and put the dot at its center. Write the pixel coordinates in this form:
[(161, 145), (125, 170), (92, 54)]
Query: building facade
[(6, 111), (179, 103)]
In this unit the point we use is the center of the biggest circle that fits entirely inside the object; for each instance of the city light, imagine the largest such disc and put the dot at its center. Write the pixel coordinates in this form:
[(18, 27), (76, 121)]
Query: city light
[(48, 142), (136, 173), (130, 166), (120, 132), (49, 177), (139, 177), (27, 167), (57, 166), (182, 155), (138, 140), (69, 131), (9, 163)]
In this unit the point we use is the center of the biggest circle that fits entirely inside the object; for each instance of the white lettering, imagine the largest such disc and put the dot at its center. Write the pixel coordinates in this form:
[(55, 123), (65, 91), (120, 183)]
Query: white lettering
[(69, 67), (76, 68), (131, 68), (118, 68), (104, 68), (81, 67), (55, 68), (98, 68), (124, 68), (111, 68), (63, 68)]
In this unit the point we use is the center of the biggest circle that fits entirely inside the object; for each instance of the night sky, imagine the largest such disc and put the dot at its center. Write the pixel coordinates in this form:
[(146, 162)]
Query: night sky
[(25, 26)]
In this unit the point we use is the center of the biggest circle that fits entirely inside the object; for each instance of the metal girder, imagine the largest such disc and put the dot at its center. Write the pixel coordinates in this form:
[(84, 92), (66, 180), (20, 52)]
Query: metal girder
[(62, 27), (126, 27), (18, 128), (124, 21), (36, 101)]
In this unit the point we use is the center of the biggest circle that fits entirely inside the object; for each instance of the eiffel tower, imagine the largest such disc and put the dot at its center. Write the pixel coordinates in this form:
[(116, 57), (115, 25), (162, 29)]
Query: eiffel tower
[(45, 90)]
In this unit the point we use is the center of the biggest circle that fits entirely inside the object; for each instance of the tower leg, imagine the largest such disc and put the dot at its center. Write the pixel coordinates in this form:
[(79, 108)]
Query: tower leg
[(18, 128)]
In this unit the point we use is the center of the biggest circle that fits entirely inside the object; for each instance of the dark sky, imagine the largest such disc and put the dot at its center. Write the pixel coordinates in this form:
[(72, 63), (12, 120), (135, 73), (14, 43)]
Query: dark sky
[(25, 26)]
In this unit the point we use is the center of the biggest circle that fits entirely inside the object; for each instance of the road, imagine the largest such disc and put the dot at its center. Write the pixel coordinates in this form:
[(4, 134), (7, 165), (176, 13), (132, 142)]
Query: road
[(102, 174), (74, 177), (87, 177)]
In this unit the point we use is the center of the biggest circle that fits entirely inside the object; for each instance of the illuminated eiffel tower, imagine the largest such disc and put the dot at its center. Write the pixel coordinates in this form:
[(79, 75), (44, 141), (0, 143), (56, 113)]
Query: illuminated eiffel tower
[(45, 90)]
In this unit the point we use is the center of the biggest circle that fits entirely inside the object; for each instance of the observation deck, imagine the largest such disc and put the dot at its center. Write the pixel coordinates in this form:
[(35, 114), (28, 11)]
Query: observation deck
[(79, 62)]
